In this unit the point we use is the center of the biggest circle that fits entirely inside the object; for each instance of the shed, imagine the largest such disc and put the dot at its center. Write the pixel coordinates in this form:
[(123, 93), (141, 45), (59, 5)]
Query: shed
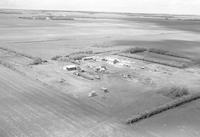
[(70, 67)]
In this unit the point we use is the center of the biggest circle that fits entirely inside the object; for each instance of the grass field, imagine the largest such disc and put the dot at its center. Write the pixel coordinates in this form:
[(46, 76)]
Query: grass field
[(44, 100)]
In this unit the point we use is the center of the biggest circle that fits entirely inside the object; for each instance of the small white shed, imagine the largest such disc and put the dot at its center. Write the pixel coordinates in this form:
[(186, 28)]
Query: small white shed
[(70, 67)]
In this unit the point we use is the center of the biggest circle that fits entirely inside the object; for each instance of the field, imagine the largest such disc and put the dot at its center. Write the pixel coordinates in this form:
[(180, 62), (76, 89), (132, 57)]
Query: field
[(71, 74)]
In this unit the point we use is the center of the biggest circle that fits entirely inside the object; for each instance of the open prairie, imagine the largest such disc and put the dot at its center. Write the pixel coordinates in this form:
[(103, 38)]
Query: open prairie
[(84, 74)]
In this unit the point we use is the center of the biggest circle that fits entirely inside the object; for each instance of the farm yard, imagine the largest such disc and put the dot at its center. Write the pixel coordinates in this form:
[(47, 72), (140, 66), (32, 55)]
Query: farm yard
[(83, 74)]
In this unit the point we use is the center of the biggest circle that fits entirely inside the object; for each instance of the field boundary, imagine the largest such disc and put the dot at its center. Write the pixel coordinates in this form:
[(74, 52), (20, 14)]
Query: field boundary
[(13, 68), (163, 108), (176, 65), (17, 53)]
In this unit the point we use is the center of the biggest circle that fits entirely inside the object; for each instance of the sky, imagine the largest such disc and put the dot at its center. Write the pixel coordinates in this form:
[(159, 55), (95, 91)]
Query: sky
[(134, 6)]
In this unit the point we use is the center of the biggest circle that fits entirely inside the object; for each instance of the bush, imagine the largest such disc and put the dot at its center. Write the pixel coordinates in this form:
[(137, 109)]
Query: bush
[(38, 61), (82, 52), (168, 53), (79, 55), (158, 51), (56, 57), (64, 59), (135, 50), (162, 108), (157, 61), (174, 92)]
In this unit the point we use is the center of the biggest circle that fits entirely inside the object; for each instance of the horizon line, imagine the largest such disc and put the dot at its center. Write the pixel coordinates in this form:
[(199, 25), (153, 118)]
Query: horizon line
[(107, 12)]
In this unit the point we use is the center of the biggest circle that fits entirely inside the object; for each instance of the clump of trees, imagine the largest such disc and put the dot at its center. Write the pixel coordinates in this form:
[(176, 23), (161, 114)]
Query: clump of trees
[(156, 51), (166, 52), (38, 61), (174, 92), (135, 50), (56, 57), (175, 103)]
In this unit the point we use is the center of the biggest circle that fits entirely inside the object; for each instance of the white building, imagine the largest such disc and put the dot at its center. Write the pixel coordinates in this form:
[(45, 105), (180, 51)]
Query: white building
[(70, 67)]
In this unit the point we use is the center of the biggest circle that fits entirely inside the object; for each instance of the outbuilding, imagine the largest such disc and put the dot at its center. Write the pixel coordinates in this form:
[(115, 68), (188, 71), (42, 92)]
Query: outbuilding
[(70, 67)]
